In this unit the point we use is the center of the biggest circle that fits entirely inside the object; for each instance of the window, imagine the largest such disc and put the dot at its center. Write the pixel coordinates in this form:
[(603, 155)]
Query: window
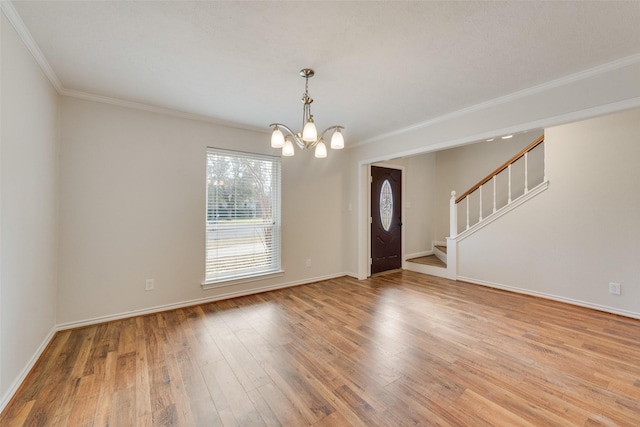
[(243, 215)]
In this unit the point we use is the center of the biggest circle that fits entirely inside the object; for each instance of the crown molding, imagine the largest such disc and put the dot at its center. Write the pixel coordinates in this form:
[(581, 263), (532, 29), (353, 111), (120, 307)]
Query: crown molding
[(158, 110), (18, 24), (571, 78), (14, 18), (12, 15), (541, 124)]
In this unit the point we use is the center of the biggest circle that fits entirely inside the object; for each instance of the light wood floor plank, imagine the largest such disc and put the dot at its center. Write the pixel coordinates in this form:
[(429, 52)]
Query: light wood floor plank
[(84, 407), (400, 349)]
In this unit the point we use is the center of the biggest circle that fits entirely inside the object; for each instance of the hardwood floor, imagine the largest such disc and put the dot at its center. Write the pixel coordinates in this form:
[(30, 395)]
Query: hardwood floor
[(396, 350)]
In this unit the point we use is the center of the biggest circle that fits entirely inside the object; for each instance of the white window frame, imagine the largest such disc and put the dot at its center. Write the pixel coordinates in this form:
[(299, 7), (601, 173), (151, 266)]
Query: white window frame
[(236, 237)]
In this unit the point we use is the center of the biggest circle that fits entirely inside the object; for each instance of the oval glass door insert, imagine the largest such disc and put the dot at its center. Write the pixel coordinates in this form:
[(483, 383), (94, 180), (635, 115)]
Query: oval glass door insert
[(386, 205)]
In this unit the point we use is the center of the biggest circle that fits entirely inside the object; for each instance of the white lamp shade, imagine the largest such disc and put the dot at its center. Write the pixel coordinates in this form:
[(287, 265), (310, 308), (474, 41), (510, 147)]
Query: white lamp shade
[(321, 150), (277, 138), (287, 149), (309, 133), (337, 140)]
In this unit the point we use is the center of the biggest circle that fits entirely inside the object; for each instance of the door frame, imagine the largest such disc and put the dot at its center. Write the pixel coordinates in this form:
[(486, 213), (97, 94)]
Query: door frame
[(364, 264)]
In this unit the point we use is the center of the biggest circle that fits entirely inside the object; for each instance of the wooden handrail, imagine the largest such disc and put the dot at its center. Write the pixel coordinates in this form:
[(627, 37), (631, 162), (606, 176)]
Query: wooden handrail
[(505, 165)]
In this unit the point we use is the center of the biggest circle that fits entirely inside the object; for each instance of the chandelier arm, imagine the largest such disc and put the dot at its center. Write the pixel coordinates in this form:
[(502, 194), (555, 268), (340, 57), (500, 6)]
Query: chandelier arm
[(292, 134), (312, 144), (327, 130), (285, 127)]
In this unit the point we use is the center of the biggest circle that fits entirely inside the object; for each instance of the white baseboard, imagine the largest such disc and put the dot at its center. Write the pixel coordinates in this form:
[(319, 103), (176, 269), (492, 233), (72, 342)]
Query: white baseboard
[(182, 304), (604, 308), (25, 371)]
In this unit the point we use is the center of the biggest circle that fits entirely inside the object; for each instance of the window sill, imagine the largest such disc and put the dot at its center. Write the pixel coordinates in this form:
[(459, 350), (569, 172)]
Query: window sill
[(240, 280)]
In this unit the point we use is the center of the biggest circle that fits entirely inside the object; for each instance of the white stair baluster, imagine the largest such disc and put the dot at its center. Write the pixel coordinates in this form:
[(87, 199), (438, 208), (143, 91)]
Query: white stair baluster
[(453, 215), (509, 199), (480, 214), (544, 162), (467, 198), (526, 172), (494, 193)]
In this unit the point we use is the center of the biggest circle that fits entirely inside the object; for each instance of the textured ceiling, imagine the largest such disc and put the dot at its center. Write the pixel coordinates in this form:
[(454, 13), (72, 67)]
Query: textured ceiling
[(380, 66)]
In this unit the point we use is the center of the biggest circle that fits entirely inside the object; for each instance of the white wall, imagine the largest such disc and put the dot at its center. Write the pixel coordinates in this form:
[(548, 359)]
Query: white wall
[(28, 223), (583, 232), (133, 207), (420, 203)]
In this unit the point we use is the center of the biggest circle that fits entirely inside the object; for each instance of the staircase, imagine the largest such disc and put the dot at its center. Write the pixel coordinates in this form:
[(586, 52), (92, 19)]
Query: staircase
[(437, 259), (478, 209), (434, 263)]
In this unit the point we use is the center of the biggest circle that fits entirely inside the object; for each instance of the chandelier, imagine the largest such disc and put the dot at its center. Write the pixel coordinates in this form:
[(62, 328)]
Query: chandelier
[(309, 137)]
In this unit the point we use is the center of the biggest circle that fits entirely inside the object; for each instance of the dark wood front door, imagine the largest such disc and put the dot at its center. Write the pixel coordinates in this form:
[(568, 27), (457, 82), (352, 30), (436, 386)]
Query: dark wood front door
[(386, 223)]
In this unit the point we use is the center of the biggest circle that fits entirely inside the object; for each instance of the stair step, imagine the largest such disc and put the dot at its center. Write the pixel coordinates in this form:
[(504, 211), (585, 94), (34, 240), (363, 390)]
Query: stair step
[(428, 260), (442, 248)]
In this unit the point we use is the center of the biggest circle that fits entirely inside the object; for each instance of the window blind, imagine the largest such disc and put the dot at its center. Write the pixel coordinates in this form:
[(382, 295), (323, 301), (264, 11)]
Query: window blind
[(243, 215)]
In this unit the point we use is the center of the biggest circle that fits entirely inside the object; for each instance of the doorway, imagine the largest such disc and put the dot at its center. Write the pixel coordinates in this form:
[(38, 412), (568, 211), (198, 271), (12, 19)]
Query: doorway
[(386, 220)]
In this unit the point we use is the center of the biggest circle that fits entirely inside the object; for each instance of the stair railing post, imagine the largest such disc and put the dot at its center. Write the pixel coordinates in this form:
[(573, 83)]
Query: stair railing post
[(453, 216), (494, 193), (480, 210), (509, 199), (526, 172), (544, 162), (467, 199)]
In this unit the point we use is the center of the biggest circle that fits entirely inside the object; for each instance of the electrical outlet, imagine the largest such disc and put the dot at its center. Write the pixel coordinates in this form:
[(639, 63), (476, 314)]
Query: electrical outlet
[(614, 288), (308, 263), (149, 285)]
